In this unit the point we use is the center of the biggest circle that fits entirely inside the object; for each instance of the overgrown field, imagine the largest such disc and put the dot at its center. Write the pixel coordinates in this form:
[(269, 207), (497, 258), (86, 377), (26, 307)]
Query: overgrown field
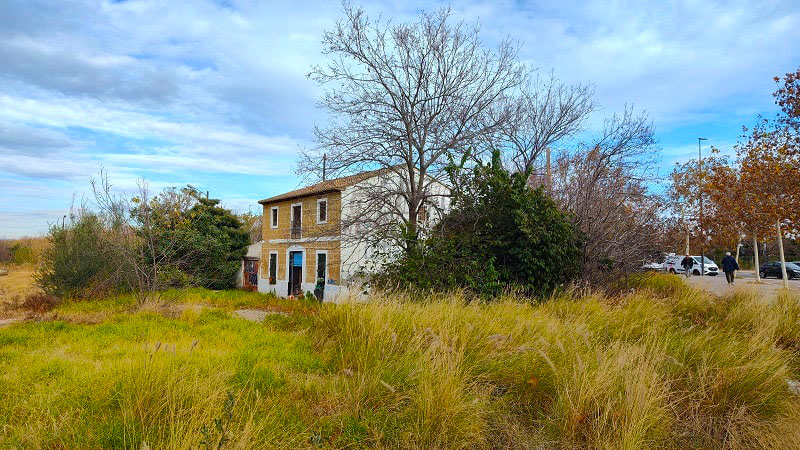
[(661, 367)]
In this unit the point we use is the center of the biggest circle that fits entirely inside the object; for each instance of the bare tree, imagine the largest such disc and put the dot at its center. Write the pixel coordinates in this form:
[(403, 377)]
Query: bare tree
[(402, 97), (544, 112), (604, 186)]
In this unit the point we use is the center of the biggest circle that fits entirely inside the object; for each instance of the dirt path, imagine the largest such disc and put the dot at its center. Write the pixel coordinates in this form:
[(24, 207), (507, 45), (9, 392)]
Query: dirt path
[(256, 315), (7, 322)]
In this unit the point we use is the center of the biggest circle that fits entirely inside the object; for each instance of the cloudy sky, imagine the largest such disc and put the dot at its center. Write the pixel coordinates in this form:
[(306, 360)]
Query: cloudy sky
[(215, 94)]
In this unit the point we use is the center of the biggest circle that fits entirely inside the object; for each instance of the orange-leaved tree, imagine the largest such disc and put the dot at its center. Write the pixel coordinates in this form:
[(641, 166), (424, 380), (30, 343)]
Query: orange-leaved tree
[(769, 165), (704, 200)]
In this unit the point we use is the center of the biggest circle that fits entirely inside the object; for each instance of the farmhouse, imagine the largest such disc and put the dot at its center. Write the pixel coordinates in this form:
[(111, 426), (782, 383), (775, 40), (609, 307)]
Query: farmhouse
[(311, 242)]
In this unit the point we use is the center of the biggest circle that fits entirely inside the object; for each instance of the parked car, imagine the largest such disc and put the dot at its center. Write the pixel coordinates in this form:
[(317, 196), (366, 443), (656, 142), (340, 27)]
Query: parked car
[(673, 266), (653, 266), (773, 269)]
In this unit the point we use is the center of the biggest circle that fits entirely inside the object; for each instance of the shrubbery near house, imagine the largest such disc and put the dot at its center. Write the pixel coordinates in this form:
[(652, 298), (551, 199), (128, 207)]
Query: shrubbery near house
[(207, 243), (499, 234)]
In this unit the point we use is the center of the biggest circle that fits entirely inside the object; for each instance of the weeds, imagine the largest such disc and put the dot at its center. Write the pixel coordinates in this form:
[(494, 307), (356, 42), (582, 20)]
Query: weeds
[(665, 366), (39, 303)]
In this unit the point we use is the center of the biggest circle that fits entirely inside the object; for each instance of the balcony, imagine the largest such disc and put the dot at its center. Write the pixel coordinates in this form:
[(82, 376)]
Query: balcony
[(296, 232)]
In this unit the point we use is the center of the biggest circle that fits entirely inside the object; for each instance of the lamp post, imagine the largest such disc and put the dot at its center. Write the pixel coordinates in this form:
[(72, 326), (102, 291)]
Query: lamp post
[(700, 186)]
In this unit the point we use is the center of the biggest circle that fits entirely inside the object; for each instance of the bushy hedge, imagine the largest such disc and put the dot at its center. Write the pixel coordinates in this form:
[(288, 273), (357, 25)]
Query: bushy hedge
[(17, 253)]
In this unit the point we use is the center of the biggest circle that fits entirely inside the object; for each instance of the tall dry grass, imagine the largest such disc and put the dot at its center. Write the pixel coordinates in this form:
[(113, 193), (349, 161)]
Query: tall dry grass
[(664, 367)]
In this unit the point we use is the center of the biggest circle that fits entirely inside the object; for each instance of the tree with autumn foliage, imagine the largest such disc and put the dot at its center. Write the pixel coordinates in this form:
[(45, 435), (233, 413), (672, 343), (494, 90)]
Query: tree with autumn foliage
[(769, 166), (715, 183), (759, 193)]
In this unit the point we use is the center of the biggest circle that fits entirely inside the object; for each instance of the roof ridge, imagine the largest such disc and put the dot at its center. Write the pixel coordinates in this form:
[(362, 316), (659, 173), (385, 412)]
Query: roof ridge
[(332, 185)]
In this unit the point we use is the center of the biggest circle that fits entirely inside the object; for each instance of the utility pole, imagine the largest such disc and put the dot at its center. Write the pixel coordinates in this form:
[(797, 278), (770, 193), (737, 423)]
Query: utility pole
[(700, 193), (687, 240), (548, 171), (324, 165)]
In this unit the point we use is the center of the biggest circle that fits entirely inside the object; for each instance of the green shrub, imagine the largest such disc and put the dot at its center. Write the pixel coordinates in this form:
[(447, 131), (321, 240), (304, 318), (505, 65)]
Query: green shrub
[(499, 234), (78, 261), (22, 254), (206, 242)]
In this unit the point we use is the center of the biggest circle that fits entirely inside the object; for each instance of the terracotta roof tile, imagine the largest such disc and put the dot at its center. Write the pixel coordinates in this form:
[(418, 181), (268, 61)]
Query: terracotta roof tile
[(336, 184)]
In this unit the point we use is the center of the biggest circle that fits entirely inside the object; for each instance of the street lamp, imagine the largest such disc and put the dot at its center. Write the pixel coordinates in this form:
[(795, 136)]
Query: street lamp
[(700, 186)]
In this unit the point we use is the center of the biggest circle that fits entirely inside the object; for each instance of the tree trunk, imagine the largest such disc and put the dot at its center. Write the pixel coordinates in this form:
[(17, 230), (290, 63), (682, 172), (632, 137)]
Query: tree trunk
[(755, 255), (783, 259), (687, 240), (738, 246)]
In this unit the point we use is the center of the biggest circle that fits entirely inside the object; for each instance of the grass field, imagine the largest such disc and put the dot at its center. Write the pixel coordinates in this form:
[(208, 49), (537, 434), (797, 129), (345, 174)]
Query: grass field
[(662, 367), (18, 283)]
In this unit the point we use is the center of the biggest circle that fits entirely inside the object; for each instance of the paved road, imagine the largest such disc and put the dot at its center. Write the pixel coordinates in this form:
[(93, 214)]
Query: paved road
[(745, 279)]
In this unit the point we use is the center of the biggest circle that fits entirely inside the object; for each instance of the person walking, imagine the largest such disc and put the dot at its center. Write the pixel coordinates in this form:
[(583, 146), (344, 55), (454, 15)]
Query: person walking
[(729, 266), (687, 263)]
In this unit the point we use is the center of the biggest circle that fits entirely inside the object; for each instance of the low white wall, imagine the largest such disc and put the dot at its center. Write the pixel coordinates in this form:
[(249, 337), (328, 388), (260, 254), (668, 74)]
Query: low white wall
[(333, 293)]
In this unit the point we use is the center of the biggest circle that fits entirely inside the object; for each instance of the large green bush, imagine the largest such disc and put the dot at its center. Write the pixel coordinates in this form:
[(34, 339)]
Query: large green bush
[(216, 239), (78, 262), (499, 234), (203, 245)]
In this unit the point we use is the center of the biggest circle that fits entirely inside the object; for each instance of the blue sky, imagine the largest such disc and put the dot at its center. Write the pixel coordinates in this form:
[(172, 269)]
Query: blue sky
[(215, 94)]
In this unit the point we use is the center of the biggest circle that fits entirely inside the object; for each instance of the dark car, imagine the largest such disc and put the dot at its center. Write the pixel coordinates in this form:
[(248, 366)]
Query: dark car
[(773, 269)]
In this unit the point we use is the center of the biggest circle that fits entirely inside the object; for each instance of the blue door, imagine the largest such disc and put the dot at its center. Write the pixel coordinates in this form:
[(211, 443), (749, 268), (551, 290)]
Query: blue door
[(295, 273)]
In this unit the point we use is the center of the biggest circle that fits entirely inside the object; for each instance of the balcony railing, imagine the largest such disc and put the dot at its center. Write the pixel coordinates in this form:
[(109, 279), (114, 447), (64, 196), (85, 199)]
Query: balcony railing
[(296, 233)]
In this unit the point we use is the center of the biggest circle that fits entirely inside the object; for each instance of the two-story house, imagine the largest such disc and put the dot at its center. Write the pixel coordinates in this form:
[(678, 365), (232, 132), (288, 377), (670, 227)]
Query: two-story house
[(304, 240)]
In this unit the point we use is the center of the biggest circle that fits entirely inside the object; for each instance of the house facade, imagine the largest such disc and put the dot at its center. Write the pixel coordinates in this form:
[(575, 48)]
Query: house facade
[(305, 247)]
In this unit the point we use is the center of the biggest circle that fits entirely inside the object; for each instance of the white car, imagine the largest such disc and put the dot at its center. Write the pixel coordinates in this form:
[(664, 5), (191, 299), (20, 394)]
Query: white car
[(673, 265), (653, 266)]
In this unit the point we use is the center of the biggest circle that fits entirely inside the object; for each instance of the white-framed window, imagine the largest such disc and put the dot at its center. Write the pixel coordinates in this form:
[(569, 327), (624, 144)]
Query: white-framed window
[(322, 210), (273, 268), (321, 265), (296, 220), (273, 217)]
